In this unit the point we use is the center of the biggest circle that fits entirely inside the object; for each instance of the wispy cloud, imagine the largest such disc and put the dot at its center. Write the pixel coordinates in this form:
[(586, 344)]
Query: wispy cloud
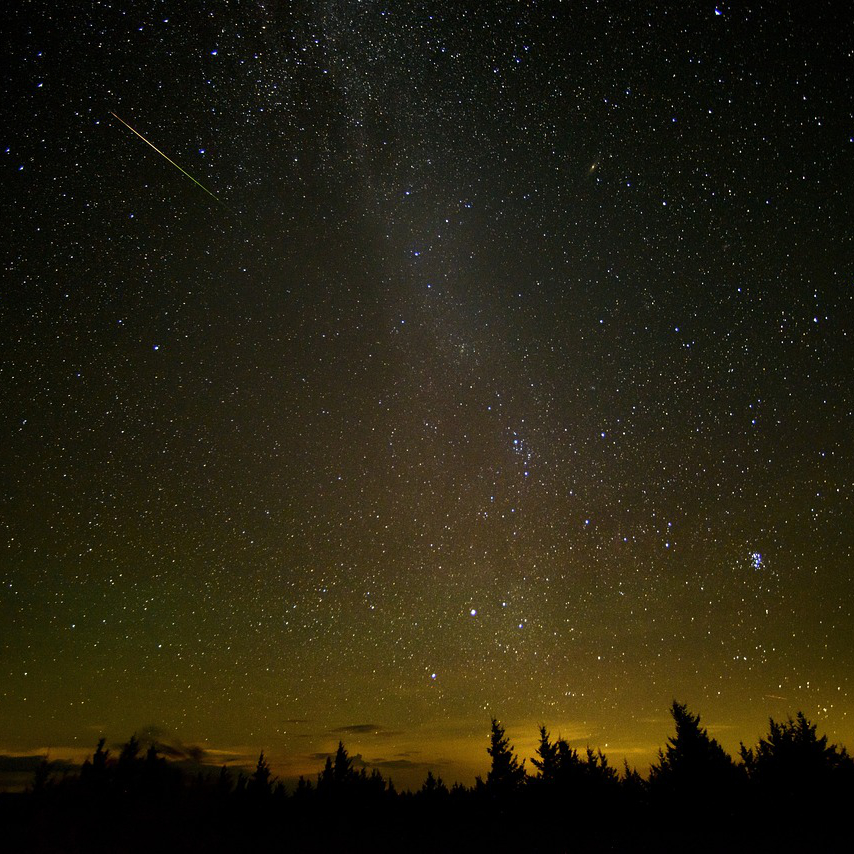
[(406, 764), (170, 745), (377, 730)]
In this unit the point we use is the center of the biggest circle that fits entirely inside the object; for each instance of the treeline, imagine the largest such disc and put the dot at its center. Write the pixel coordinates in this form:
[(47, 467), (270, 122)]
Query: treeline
[(792, 791)]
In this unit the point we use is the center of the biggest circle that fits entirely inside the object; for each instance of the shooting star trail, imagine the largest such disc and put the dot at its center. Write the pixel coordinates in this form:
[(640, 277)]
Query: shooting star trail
[(183, 171)]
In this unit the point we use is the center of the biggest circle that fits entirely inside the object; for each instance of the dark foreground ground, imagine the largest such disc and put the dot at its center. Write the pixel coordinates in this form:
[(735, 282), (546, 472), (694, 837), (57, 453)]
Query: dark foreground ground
[(461, 823)]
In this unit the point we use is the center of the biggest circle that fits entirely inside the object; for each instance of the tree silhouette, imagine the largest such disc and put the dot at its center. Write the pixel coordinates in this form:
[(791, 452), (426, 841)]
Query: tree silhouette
[(224, 784), (546, 761), (560, 765), (692, 761), (326, 778), (260, 783), (100, 757), (506, 773), (433, 787), (569, 770), (41, 778), (793, 749), (782, 797), (793, 763), (596, 769), (694, 784), (93, 774), (342, 767), (158, 779), (795, 772), (304, 788), (632, 780), (338, 773), (129, 752)]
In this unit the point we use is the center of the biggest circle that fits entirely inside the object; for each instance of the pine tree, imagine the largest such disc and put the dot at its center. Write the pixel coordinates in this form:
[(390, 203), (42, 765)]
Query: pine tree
[(597, 770), (304, 788), (506, 774), (794, 758), (129, 752), (342, 767), (429, 786), (433, 787), (692, 762), (128, 767), (94, 773), (569, 772), (325, 779), (547, 763), (224, 784), (260, 783), (632, 780), (41, 778)]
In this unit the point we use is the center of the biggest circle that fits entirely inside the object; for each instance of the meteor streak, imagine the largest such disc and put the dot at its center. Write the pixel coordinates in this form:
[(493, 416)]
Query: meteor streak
[(183, 171)]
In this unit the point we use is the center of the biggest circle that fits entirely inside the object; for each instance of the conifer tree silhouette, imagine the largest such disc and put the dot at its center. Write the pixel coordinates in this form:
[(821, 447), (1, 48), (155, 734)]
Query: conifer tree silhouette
[(94, 770), (304, 788), (433, 787), (692, 759), (260, 783), (546, 761), (224, 784), (794, 762), (325, 779), (783, 796), (596, 769), (794, 772), (506, 774), (41, 778), (342, 767), (129, 752)]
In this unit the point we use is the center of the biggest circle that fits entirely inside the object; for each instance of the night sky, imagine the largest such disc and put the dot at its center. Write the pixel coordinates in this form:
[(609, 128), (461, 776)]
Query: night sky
[(501, 365)]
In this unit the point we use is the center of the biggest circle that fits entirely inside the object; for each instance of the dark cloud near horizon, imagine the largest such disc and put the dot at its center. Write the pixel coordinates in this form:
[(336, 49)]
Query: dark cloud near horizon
[(29, 764), (17, 772), (171, 746), (400, 763), (357, 729), (365, 729)]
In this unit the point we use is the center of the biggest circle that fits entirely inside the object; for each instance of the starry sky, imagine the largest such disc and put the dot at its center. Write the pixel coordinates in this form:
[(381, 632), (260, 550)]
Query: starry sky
[(501, 365)]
